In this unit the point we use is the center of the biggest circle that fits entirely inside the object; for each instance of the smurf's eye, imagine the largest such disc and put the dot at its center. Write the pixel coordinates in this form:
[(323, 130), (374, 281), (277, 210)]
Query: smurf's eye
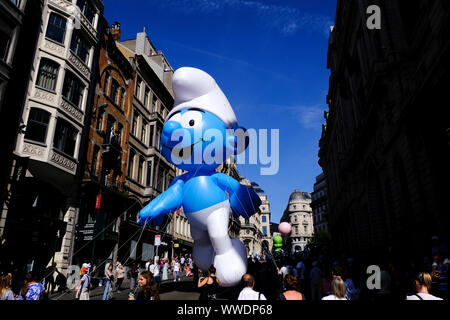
[(191, 119)]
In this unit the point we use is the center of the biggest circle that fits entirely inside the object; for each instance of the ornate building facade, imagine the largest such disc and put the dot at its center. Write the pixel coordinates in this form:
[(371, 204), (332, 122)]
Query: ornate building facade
[(319, 204), (298, 214), (55, 113), (385, 147)]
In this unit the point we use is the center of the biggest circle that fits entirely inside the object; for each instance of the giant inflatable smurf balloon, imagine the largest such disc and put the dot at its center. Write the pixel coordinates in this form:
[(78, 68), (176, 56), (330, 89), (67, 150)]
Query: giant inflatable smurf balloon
[(197, 135)]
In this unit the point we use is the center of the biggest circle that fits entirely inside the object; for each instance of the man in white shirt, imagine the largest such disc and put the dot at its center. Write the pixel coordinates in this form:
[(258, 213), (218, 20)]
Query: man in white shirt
[(248, 293)]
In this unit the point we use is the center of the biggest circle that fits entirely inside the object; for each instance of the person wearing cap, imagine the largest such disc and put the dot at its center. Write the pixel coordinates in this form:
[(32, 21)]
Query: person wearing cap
[(200, 133), (82, 289)]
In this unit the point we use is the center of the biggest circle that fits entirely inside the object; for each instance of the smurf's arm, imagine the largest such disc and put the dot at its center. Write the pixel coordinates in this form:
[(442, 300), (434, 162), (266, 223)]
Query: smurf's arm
[(168, 201), (243, 200)]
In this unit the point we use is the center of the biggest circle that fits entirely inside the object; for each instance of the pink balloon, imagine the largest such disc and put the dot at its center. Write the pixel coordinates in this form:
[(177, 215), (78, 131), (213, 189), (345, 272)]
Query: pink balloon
[(284, 228)]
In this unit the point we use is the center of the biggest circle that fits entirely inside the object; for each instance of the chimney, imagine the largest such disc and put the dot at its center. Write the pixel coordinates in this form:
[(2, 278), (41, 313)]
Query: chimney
[(115, 31)]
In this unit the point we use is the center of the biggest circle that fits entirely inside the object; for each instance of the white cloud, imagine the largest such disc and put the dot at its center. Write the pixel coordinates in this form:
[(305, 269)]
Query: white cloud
[(309, 117)]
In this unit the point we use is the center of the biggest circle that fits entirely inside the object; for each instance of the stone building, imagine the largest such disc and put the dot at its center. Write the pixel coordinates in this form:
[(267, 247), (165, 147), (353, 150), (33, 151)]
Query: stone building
[(45, 207), (298, 214), (149, 173), (19, 33), (104, 200), (319, 204), (385, 147)]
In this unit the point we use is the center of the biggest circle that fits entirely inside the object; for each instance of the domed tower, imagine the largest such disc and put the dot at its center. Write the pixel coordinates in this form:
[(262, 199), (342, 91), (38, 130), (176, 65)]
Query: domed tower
[(299, 214)]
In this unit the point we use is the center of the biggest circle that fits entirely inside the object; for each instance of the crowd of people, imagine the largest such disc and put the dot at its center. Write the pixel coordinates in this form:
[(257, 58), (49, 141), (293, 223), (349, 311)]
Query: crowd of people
[(302, 278), (272, 277)]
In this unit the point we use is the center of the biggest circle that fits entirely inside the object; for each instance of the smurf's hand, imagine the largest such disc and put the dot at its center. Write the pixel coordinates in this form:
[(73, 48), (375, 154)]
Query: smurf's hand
[(166, 202), (245, 202)]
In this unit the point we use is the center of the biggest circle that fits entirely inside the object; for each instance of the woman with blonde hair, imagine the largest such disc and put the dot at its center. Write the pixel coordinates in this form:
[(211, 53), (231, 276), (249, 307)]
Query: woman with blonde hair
[(5, 287), (423, 285), (337, 290)]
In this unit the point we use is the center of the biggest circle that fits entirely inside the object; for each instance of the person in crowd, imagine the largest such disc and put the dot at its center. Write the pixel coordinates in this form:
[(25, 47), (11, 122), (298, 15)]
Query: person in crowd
[(423, 285), (109, 261), (165, 274), (82, 289), (156, 272), (49, 278), (32, 289), (337, 290), (209, 285), (148, 288), (247, 293), (133, 274), (182, 261), (148, 265), (325, 284), (61, 282), (291, 293), (176, 271), (120, 275), (109, 280), (300, 269), (5, 287), (314, 277), (351, 290)]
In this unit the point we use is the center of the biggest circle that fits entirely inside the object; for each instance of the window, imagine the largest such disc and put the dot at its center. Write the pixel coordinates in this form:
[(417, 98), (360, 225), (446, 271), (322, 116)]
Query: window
[(140, 170), (158, 139), (160, 180), (264, 219), (56, 28), (101, 113), (119, 134), (106, 83), (37, 125), (110, 129), (16, 2), (146, 96), (73, 89), (149, 174), (65, 137), (306, 229), (138, 88), (95, 160), (87, 9), (114, 90), (4, 46), (48, 75), (154, 99), (264, 231), (131, 163), (144, 131), (80, 46), (150, 141), (135, 124)]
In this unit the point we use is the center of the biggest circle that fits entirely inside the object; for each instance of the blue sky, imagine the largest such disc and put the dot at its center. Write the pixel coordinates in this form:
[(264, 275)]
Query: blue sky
[(269, 58)]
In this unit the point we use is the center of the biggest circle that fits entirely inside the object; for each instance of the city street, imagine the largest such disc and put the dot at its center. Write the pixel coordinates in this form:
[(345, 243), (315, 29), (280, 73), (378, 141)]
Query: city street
[(169, 290)]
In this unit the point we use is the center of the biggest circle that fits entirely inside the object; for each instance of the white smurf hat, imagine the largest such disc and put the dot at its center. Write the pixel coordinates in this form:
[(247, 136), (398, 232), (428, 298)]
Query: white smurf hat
[(196, 89)]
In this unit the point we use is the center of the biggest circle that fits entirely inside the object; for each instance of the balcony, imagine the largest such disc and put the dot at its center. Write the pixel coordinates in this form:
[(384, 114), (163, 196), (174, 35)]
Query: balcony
[(112, 153)]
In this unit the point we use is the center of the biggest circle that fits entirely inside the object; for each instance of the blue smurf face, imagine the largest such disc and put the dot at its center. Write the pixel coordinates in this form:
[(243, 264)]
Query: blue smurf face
[(194, 140)]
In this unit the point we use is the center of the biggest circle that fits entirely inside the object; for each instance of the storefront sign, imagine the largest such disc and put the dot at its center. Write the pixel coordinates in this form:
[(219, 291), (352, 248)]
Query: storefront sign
[(157, 240)]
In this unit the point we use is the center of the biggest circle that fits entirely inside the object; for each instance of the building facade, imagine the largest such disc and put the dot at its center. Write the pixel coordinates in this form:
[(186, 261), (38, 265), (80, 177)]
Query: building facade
[(45, 206), (19, 33), (148, 172), (319, 204), (104, 201), (298, 214), (385, 147)]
